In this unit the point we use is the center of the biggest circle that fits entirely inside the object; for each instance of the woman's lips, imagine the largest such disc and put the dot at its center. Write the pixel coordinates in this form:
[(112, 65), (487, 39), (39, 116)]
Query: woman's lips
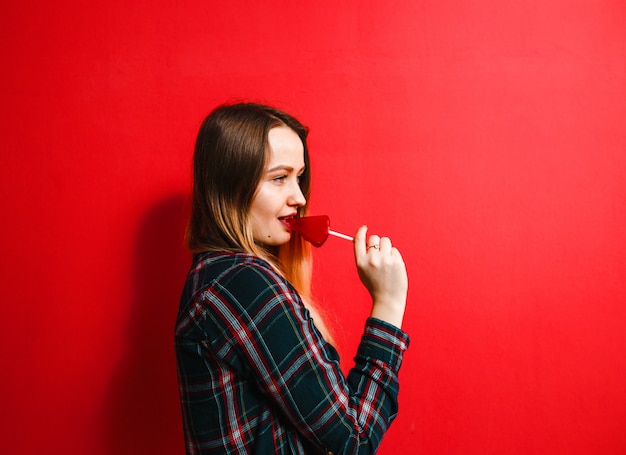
[(285, 220)]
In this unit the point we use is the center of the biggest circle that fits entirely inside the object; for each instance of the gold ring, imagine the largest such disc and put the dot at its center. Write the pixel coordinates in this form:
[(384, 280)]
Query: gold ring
[(373, 246)]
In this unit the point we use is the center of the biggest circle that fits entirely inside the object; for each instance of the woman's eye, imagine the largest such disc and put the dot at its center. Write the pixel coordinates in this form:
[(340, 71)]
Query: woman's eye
[(280, 179)]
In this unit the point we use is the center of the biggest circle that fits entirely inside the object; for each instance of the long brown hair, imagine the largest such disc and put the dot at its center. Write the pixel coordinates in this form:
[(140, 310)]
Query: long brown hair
[(230, 157)]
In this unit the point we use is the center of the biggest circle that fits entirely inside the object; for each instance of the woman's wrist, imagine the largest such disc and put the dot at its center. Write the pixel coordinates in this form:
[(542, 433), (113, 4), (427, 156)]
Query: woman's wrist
[(393, 313)]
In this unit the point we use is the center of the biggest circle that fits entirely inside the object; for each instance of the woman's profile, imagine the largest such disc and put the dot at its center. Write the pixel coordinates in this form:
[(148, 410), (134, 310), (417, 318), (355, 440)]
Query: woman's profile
[(257, 370)]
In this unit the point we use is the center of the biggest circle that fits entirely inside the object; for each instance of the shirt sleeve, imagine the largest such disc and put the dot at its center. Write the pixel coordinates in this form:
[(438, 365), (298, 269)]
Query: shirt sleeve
[(267, 334)]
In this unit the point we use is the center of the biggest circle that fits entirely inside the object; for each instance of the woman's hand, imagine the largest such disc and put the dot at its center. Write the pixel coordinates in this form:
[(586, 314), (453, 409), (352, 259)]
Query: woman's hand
[(382, 271)]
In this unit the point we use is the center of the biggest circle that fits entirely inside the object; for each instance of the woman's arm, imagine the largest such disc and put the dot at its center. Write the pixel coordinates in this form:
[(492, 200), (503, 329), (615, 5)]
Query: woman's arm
[(276, 340)]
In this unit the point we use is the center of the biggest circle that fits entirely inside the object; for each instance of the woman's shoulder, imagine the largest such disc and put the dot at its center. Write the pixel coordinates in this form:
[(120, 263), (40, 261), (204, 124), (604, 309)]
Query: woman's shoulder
[(225, 266), (239, 278), (227, 260)]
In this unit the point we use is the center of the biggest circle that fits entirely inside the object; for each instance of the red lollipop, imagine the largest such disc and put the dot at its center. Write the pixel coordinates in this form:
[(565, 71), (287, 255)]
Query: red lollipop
[(314, 229)]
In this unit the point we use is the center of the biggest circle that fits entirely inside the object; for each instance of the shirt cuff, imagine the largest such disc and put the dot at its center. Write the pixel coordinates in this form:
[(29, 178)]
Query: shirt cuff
[(384, 342)]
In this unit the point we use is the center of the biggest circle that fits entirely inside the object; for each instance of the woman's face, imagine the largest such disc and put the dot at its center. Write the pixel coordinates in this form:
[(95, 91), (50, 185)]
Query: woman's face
[(278, 196)]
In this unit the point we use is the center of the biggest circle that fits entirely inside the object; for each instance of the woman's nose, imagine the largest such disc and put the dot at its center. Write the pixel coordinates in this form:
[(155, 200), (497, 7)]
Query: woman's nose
[(297, 197)]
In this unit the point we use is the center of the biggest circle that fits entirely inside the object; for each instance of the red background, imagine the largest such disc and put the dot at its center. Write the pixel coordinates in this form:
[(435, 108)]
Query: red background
[(486, 138)]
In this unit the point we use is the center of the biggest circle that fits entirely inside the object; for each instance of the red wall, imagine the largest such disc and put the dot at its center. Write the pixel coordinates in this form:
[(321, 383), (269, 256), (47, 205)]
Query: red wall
[(486, 137)]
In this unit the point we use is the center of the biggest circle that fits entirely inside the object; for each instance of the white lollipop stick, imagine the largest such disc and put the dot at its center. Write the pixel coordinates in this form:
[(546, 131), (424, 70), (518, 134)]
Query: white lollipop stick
[(340, 235)]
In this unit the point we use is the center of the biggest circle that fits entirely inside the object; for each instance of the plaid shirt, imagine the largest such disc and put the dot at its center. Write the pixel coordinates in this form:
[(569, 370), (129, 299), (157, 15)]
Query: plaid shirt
[(256, 376)]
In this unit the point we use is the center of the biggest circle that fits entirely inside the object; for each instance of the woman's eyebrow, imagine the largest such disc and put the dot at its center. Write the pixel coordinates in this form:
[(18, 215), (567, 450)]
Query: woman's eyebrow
[(283, 167)]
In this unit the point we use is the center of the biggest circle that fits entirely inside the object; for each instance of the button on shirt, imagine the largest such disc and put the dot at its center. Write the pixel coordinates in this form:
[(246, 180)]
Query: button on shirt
[(256, 376)]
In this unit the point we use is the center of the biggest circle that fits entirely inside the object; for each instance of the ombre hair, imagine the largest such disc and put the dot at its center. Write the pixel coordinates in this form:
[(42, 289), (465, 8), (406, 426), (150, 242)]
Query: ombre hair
[(230, 158)]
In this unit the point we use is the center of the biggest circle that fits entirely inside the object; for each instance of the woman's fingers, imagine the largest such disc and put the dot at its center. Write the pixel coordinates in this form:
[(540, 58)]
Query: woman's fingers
[(374, 244), (364, 249), (377, 260), (383, 272), (360, 247), (385, 245)]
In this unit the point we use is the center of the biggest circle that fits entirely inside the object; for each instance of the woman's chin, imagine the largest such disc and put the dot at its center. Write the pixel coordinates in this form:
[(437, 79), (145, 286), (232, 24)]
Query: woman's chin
[(282, 240)]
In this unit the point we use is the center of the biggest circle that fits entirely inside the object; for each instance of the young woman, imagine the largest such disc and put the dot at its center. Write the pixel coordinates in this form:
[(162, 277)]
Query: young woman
[(257, 372)]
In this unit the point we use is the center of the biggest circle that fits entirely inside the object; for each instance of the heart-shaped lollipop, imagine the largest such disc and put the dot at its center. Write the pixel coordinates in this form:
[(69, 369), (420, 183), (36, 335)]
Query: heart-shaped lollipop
[(314, 229)]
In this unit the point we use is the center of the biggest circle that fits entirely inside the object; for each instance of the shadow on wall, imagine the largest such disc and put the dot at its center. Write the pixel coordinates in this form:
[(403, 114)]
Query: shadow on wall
[(142, 413)]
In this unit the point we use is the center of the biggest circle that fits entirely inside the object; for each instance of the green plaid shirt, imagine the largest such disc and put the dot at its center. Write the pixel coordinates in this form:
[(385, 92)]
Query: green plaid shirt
[(256, 376)]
